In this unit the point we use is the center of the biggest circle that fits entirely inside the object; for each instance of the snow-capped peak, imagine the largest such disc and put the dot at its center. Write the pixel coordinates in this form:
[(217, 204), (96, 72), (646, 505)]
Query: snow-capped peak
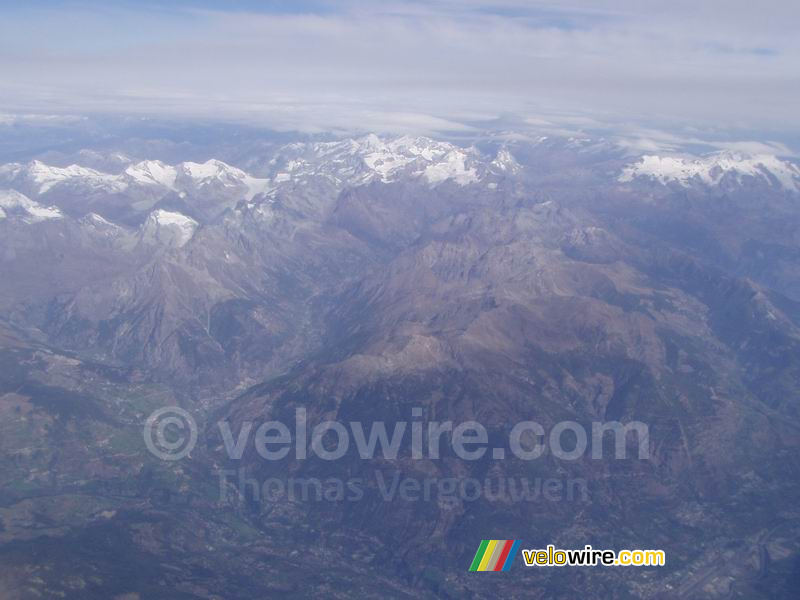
[(98, 225), (152, 172), (98, 222), (41, 178), (211, 169), (37, 178), (505, 162), (167, 227), (370, 158), (15, 204), (711, 169), (192, 176)]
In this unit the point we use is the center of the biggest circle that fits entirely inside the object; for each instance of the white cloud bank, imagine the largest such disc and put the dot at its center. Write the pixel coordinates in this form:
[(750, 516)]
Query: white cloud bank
[(411, 66)]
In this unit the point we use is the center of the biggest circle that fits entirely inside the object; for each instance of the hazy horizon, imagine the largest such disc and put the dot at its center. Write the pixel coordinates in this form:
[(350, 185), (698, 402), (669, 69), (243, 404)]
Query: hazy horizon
[(717, 70)]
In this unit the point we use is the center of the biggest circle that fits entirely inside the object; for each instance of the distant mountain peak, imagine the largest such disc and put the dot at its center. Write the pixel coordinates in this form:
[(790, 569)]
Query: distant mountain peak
[(712, 169)]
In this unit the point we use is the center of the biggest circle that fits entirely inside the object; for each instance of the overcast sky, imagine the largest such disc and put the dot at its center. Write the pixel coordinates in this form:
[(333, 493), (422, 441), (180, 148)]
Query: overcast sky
[(730, 65)]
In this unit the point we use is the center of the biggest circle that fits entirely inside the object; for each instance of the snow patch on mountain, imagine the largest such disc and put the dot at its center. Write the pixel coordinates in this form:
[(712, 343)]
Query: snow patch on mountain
[(713, 168)]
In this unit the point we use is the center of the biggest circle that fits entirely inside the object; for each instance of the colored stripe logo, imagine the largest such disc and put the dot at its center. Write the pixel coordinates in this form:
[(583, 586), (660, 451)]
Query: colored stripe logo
[(495, 555)]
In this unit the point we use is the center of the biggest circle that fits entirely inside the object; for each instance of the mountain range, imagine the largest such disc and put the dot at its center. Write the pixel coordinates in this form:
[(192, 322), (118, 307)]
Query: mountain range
[(519, 278)]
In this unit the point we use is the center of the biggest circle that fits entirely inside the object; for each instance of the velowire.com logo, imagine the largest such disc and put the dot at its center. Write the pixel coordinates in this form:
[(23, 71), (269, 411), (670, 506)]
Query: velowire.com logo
[(498, 555), (495, 555)]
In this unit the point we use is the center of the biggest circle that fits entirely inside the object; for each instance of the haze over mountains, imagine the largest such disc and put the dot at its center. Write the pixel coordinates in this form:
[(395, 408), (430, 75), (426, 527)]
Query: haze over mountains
[(522, 278), (351, 224)]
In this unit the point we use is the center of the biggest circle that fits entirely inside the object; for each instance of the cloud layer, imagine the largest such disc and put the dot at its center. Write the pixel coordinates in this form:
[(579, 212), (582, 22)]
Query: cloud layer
[(411, 66)]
